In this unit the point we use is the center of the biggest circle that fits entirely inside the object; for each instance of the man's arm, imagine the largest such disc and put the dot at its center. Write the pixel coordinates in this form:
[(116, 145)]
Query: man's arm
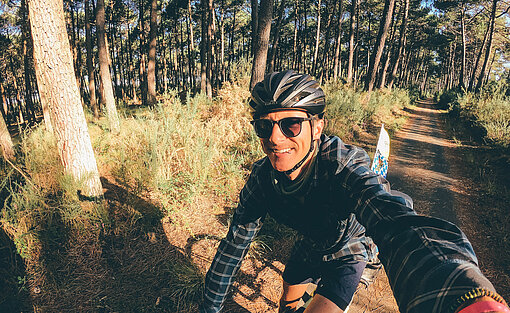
[(245, 225), (226, 264), (429, 262)]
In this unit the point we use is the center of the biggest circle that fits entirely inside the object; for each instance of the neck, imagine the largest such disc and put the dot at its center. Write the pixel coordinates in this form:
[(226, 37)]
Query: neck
[(304, 167)]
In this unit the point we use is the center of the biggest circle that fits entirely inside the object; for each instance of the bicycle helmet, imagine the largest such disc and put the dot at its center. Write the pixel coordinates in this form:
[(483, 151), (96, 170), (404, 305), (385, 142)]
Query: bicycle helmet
[(287, 90)]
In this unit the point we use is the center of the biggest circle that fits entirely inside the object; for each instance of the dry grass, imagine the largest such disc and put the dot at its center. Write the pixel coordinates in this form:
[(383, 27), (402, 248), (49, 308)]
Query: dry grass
[(171, 180)]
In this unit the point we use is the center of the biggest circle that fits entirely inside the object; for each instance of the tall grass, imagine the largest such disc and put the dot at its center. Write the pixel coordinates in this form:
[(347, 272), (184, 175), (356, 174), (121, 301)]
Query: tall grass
[(181, 150), (348, 111), (491, 111)]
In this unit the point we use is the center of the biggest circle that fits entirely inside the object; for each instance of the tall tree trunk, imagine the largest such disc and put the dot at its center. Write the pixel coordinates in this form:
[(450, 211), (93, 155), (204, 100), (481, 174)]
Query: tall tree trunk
[(211, 50), (6, 145), (401, 44), (462, 85), (262, 42), (191, 46), (204, 46), (276, 38), (379, 45), (478, 58), (151, 68), (337, 68), (350, 64), (389, 54), (484, 70), (326, 58), (27, 64), (21, 119), (254, 23), (317, 38), (106, 80), (142, 68), (54, 63), (90, 62), (295, 41)]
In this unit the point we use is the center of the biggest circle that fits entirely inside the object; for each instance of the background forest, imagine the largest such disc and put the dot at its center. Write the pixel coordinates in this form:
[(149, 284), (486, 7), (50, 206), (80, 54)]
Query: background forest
[(124, 123)]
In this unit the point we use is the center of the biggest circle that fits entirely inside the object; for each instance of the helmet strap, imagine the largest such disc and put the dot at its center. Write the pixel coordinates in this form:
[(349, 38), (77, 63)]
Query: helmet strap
[(312, 146)]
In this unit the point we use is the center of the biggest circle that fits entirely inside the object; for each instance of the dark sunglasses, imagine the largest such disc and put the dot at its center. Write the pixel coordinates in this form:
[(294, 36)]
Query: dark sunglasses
[(290, 126)]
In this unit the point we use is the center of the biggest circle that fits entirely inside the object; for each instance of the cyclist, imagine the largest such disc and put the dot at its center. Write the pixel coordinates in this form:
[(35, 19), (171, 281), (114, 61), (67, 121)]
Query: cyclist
[(321, 187)]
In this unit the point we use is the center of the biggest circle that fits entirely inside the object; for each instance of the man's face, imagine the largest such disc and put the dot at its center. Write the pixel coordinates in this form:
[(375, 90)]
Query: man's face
[(285, 152)]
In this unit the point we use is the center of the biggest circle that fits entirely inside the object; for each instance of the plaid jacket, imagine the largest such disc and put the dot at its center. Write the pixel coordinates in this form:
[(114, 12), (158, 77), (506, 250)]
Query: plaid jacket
[(429, 262)]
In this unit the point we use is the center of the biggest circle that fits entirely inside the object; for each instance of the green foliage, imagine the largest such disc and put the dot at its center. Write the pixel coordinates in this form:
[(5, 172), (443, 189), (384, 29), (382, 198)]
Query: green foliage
[(488, 110), (348, 110)]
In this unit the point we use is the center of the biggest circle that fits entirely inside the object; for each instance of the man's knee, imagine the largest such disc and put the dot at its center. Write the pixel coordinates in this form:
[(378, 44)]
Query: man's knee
[(294, 297)]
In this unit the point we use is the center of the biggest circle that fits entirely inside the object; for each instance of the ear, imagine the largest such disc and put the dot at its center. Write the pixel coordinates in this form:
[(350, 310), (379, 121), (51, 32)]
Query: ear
[(317, 128)]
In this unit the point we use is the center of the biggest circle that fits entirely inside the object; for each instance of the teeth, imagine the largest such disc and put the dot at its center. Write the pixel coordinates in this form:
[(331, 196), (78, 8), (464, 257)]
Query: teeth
[(282, 151)]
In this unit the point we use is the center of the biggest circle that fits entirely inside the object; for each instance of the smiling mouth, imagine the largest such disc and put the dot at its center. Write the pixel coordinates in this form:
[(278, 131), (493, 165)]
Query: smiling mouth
[(281, 151)]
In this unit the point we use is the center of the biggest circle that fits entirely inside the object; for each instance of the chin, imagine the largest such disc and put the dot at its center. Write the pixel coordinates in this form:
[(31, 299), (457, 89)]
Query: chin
[(280, 167)]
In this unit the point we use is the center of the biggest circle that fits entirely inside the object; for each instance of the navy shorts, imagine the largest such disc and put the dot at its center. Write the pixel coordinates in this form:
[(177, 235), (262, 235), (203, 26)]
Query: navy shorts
[(336, 280)]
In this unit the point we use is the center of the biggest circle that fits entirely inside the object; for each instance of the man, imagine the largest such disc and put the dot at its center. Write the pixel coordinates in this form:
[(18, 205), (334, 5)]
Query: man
[(321, 187)]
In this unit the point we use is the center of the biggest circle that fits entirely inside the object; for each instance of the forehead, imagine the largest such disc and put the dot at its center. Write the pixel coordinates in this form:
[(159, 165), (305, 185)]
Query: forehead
[(283, 114)]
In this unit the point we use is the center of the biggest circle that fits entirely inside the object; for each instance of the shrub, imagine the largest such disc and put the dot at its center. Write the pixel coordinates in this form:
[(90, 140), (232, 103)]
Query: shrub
[(348, 110), (490, 111)]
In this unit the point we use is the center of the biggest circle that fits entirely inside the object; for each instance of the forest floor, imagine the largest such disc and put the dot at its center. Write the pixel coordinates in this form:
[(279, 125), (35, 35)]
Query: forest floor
[(151, 262)]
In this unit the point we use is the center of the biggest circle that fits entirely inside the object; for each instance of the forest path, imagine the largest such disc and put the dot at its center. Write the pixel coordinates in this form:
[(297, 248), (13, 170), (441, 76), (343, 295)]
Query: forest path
[(419, 166), (429, 164)]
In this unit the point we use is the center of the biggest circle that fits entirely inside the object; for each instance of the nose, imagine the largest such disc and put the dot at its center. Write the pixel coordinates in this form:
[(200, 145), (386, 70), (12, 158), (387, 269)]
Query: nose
[(276, 134)]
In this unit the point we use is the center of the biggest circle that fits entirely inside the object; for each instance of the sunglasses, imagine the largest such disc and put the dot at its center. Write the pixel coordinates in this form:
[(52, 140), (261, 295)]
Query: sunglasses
[(289, 126)]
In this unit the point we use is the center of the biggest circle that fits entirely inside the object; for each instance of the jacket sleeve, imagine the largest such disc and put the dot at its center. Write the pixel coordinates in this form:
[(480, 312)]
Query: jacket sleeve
[(245, 225), (429, 262)]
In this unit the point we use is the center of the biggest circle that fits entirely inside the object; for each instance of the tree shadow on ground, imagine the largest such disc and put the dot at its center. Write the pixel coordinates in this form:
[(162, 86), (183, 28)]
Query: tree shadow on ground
[(14, 296), (124, 264)]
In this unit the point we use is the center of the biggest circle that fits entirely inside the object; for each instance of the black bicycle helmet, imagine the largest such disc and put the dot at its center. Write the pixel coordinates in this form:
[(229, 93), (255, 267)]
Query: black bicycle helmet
[(287, 90)]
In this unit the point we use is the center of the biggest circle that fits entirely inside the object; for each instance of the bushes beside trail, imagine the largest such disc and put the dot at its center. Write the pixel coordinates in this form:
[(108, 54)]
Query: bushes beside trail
[(349, 112), (488, 111)]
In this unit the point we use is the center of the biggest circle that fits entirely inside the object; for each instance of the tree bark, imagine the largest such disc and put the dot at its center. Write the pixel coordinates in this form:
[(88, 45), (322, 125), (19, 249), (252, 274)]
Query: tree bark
[(350, 64), (204, 46), (484, 71), (337, 67), (151, 67), (401, 44), (462, 85), (142, 69), (262, 42), (276, 39), (478, 58), (90, 62), (379, 45), (6, 145), (317, 38), (106, 80), (254, 24), (59, 91)]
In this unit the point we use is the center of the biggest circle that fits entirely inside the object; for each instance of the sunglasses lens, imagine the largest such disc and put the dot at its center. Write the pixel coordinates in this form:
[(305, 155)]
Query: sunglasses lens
[(263, 128), (291, 127)]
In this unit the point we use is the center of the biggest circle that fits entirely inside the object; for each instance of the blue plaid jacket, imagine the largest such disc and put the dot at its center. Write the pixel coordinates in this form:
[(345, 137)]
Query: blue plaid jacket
[(429, 262)]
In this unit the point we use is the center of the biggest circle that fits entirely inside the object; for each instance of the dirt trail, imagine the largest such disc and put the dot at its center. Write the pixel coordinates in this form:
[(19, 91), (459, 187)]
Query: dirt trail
[(429, 166)]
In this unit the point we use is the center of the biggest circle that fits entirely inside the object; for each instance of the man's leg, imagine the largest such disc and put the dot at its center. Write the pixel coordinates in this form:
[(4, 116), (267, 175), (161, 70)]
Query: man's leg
[(321, 304), (291, 300)]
